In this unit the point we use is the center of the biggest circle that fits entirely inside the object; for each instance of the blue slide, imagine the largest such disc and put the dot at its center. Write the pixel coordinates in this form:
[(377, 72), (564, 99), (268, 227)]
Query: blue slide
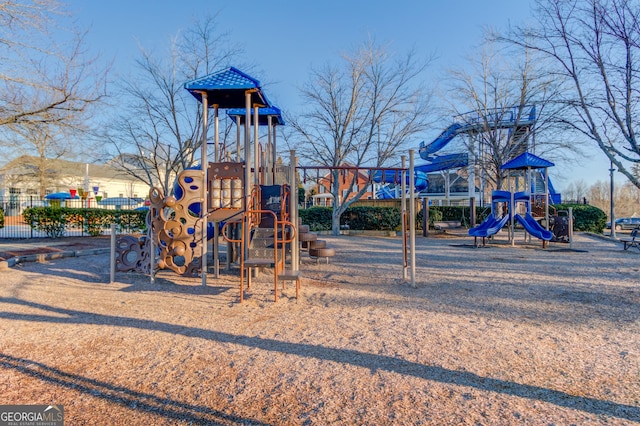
[(445, 162), (420, 182), (534, 227), (440, 142), (489, 227), (385, 193), (442, 162)]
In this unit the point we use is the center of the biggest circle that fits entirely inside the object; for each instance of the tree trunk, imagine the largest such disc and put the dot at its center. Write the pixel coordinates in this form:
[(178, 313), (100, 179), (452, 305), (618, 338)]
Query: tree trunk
[(335, 221)]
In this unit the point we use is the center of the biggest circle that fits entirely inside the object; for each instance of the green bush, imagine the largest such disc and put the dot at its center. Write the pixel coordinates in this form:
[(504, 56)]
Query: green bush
[(318, 218), (358, 218), (1, 218), (586, 218), (452, 213), (384, 218), (54, 221), (371, 218), (50, 220)]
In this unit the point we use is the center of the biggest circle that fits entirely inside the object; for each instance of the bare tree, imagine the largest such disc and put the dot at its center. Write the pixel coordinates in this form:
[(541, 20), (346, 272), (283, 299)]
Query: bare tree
[(626, 198), (158, 133), (505, 100), (598, 195), (49, 86), (362, 112), (43, 141), (45, 74), (576, 191), (594, 47)]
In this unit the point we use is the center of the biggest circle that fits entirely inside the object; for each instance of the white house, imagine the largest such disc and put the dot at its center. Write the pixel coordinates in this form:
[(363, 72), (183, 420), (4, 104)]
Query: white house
[(25, 175)]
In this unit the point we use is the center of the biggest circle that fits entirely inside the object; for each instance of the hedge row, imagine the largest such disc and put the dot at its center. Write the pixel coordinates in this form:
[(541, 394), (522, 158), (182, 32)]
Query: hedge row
[(586, 218), (1, 218), (358, 218), (54, 221), (452, 213)]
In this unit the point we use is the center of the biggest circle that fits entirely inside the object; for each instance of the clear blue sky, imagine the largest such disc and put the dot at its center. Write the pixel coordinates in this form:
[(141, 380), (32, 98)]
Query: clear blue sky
[(286, 38)]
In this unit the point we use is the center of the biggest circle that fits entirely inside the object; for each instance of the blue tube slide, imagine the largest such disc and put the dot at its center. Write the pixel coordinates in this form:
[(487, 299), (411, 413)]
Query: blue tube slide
[(440, 142), (444, 162), (420, 181), (533, 227), (385, 193)]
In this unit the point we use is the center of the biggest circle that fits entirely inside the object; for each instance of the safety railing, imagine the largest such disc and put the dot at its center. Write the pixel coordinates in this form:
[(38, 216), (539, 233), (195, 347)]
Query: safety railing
[(279, 244)]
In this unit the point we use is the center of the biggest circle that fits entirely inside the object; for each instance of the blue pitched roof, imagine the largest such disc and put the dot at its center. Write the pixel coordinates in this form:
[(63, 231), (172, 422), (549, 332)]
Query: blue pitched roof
[(263, 113), (527, 160), (227, 89)]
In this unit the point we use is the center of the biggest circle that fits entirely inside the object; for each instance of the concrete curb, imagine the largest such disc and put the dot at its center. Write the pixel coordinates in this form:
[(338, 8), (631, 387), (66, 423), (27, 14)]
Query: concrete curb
[(602, 237), (42, 257)]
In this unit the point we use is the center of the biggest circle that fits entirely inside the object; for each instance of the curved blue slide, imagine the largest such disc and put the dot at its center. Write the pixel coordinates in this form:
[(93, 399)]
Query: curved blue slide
[(385, 193), (440, 142), (420, 182), (489, 227), (533, 227), (445, 162)]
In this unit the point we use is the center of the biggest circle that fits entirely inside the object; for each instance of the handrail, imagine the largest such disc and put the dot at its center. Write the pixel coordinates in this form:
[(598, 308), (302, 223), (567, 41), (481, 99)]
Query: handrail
[(293, 229), (284, 202), (224, 236), (279, 243), (254, 201)]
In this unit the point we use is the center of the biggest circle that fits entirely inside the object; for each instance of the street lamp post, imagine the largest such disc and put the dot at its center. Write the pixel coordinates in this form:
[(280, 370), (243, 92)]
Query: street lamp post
[(612, 202)]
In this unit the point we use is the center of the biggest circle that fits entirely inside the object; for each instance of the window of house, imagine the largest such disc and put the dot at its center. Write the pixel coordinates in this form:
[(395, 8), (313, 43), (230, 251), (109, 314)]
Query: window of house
[(14, 190)]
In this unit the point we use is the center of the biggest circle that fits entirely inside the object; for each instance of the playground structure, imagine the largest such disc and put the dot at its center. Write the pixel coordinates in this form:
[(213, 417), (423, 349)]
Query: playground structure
[(511, 206), (515, 122), (246, 200)]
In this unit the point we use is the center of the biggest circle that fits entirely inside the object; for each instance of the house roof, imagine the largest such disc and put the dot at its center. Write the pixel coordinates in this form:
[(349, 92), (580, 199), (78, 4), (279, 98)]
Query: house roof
[(27, 165)]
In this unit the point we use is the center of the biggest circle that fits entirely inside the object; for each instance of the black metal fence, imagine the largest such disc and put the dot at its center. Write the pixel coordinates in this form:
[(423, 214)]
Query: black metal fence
[(15, 226)]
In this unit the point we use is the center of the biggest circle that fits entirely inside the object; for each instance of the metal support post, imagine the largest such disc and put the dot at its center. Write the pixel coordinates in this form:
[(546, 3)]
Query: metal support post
[(412, 219), (204, 209), (112, 263), (293, 210), (403, 195), (612, 206)]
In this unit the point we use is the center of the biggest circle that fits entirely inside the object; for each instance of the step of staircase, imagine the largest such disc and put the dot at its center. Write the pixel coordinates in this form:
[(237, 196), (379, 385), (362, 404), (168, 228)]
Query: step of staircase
[(261, 248), (259, 262), (262, 252)]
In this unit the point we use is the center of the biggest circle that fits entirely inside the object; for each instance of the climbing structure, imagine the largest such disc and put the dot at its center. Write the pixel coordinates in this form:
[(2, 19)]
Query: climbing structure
[(224, 197)]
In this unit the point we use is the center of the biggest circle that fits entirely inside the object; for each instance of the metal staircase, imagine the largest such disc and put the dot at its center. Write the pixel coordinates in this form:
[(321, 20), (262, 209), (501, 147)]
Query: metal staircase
[(263, 244)]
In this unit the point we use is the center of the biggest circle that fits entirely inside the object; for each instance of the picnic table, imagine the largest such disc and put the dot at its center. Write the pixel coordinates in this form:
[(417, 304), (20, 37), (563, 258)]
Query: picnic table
[(632, 241)]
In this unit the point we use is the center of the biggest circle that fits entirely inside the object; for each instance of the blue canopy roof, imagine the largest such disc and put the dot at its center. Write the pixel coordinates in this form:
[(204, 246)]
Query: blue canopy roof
[(60, 196), (227, 89), (263, 114), (526, 160)]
